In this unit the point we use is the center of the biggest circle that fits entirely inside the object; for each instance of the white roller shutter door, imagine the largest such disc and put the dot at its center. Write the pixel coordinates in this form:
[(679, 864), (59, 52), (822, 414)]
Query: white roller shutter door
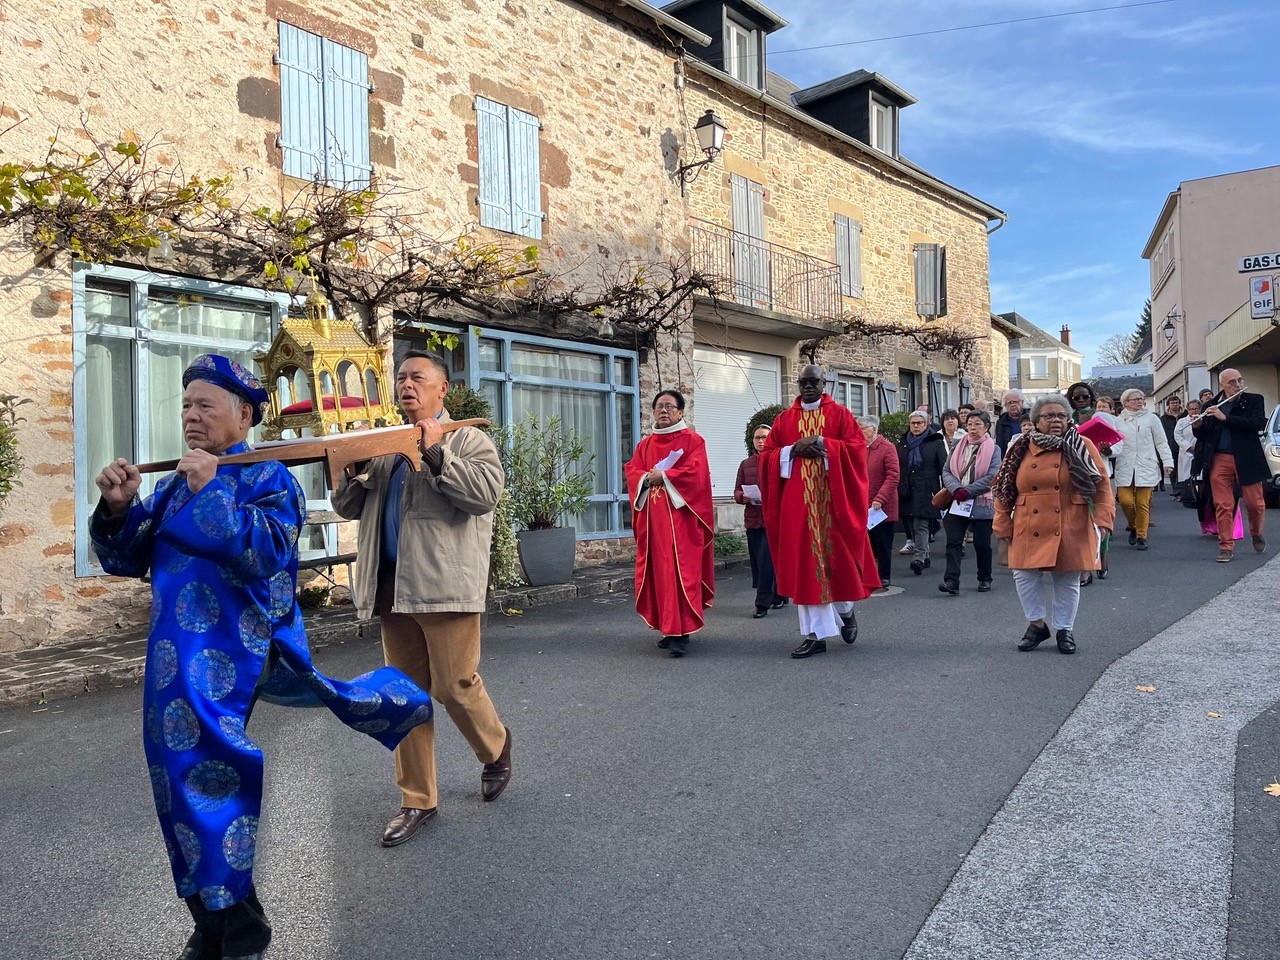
[(731, 385)]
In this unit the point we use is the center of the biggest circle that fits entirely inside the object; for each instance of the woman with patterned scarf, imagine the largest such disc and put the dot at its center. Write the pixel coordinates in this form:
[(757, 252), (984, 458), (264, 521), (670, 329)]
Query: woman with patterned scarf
[(1053, 501), (968, 475)]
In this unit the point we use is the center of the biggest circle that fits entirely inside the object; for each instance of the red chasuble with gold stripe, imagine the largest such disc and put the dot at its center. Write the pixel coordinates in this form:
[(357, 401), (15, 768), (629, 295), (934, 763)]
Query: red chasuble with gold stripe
[(816, 521), (675, 563)]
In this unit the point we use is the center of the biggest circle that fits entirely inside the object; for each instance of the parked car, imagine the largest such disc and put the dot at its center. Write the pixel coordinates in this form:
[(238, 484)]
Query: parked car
[(1271, 447)]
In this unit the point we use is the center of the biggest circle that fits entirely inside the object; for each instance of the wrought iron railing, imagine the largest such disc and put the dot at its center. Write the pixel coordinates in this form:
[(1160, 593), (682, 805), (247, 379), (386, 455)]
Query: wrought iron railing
[(758, 273)]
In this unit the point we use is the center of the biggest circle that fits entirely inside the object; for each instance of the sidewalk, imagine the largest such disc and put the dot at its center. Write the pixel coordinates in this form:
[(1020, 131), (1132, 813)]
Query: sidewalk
[(37, 676)]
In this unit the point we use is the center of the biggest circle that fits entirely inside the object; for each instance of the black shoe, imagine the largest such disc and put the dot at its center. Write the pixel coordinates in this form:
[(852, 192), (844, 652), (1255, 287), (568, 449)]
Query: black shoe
[(1066, 641), (884, 584), (779, 603), (760, 613), (1087, 579), (404, 825), (495, 776), (202, 947), (679, 646), (809, 648), (849, 632), (1142, 543), (927, 563), (664, 643), (1033, 637), (917, 567), (949, 586), (984, 586), (1133, 537)]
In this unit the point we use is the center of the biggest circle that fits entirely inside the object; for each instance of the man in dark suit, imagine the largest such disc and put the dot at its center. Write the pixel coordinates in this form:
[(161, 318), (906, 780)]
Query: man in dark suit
[(1233, 457), (1169, 419)]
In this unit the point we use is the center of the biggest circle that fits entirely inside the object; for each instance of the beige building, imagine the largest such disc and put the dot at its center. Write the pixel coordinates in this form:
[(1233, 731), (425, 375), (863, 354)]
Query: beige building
[(1039, 363), (1200, 316), (576, 150)]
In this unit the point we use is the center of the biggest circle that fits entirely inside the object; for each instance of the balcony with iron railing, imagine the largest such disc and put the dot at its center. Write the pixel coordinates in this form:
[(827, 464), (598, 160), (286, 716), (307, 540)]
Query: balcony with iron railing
[(768, 277)]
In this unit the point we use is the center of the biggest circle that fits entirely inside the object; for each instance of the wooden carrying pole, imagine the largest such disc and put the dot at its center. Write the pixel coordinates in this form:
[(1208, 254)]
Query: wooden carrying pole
[(336, 451)]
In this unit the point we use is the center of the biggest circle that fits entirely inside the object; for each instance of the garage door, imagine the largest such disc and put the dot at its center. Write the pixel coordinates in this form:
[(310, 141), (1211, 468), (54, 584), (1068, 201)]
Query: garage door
[(730, 385)]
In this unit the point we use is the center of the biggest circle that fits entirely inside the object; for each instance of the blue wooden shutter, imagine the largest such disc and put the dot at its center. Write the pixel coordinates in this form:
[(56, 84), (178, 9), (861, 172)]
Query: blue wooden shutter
[(942, 281), (346, 113), (495, 158), (849, 255), (301, 103), (926, 271), (526, 180)]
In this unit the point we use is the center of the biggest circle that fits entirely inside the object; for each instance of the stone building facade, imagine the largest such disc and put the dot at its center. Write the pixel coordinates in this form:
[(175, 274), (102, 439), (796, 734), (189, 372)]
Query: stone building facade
[(607, 105)]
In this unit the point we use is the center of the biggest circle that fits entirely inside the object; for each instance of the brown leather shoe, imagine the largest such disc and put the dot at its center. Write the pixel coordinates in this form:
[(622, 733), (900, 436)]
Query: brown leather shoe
[(495, 776), (405, 824)]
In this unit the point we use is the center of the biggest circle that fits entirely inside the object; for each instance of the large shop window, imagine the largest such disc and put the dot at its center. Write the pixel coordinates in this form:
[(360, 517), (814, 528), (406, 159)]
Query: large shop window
[(134, 334), (591, 389)]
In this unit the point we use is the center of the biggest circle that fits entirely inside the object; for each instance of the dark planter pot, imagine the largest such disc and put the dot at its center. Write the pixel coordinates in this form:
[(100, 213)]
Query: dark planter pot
[(547, 555)]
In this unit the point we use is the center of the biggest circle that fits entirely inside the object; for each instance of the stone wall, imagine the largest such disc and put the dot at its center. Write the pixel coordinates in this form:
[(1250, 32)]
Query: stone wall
[(808, 177), (197, 81)]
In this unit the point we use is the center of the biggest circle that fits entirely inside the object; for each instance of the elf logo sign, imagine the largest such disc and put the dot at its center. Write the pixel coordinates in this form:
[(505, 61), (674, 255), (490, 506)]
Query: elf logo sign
[(1262, 298)]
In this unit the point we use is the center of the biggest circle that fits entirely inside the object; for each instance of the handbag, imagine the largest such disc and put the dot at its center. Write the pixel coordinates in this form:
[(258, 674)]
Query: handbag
[(943, 499)]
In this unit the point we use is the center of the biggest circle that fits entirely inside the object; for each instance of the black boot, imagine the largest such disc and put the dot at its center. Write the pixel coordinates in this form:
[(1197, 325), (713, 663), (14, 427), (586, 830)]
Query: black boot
[(245, 930), (206, 940), (679, 646), (810, 646)]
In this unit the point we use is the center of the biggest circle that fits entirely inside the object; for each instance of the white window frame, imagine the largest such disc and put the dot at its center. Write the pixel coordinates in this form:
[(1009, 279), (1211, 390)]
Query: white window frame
[(842, 388), (930, 272), (885, 142), (140, 333), (742, 67), (1038, 368)]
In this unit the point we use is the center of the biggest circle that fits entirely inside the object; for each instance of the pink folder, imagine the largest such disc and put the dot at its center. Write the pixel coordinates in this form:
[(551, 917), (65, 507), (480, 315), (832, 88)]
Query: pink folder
[(1100, 432)]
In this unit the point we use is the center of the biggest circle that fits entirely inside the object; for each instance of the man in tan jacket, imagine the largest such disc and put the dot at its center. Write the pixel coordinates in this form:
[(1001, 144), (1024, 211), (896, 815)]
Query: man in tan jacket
[(423, 567)]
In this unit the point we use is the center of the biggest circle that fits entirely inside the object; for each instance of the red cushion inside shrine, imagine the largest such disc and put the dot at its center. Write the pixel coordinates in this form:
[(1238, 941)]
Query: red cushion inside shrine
[(306, 406)]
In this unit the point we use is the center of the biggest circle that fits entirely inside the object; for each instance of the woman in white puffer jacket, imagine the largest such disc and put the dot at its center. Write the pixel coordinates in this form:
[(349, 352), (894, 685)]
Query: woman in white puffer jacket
[(1138, 463)]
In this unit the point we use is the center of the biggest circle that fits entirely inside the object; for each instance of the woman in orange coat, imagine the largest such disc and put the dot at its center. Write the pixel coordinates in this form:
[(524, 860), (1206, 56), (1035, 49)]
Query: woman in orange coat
[(1052, 499)]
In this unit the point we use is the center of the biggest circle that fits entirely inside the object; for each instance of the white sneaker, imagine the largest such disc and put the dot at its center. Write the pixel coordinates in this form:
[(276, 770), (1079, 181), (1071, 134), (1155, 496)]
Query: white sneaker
[(908, 549)]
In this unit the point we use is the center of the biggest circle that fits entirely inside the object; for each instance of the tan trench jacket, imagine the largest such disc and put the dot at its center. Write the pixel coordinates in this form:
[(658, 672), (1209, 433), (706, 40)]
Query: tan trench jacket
[(446, 523), (1050, 524)]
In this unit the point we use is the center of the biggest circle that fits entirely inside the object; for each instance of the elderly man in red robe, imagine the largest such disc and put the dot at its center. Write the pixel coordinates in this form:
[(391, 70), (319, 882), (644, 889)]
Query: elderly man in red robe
[(669, 482), (813, 480)]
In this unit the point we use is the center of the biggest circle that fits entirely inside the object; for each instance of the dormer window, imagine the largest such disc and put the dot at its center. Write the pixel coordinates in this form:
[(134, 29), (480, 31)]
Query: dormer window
[(884, 127), (741, 52)]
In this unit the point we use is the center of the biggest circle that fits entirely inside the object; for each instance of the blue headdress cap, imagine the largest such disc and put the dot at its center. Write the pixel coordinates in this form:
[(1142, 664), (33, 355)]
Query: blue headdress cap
[(230, 376)]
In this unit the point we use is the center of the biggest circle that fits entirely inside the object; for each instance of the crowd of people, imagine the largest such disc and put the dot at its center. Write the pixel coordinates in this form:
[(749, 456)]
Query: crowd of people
[(822, 493)]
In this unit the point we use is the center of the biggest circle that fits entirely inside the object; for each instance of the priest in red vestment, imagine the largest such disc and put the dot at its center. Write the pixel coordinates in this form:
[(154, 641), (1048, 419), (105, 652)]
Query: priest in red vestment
[(813, 481), (669, 481)]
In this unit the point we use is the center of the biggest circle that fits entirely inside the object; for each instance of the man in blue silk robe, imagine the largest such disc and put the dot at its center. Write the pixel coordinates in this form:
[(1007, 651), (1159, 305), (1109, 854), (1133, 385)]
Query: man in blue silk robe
[(220, 543)]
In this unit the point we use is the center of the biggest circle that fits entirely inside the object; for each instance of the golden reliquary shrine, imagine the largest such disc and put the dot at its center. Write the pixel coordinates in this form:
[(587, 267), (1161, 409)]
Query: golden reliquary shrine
[(324, 376)]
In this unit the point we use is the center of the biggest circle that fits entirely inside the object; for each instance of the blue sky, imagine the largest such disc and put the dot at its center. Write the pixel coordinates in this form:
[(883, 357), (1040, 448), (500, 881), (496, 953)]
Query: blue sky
[(1077, 127)]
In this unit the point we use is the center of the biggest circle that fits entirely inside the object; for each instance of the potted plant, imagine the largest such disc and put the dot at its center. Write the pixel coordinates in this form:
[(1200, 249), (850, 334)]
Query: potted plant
[(550, 475)]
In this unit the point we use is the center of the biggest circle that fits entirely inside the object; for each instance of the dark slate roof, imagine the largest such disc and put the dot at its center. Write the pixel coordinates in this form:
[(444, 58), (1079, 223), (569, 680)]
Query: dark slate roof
[(1114, 386), (844, 82), (1035, 338)]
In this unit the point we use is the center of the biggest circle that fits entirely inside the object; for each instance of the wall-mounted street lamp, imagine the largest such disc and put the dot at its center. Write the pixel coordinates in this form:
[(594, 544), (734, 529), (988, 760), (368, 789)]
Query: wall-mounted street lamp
[(710, 131), (1168, 329)]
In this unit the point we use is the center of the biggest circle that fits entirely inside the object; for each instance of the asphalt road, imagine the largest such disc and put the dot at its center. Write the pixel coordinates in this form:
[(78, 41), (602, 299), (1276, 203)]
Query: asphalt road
[(732, 804)]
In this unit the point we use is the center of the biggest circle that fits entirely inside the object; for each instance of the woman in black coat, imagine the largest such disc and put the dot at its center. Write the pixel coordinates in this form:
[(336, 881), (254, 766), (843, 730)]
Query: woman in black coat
[(922, 454)]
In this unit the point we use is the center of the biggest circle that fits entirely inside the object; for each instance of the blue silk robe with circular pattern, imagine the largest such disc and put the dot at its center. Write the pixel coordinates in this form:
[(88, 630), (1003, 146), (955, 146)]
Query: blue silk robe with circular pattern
[(224, 575)]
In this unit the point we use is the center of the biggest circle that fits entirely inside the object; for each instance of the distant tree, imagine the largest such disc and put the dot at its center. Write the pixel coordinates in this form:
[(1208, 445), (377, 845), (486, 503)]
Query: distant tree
[(1117, 349), (1143, 331)]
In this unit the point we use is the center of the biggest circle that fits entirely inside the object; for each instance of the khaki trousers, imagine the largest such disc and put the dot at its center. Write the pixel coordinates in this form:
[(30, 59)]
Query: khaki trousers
[(1222, 480), (440, 652), (1136, 504)]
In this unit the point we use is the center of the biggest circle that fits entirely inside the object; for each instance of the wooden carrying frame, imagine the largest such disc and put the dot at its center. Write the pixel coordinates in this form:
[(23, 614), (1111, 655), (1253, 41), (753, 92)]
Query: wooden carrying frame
[(336, 451)]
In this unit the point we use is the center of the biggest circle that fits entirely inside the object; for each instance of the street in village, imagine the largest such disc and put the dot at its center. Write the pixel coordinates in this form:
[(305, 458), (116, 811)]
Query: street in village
[(737, 803)]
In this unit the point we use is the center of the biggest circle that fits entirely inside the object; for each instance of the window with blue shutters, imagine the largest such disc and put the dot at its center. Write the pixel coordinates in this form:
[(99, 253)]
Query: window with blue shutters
[(849, 255), (324, 109), (510, 178), (931, 279)]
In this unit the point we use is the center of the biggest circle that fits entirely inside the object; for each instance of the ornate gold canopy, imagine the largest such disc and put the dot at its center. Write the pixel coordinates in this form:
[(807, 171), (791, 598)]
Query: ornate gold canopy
[(324, 376)]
